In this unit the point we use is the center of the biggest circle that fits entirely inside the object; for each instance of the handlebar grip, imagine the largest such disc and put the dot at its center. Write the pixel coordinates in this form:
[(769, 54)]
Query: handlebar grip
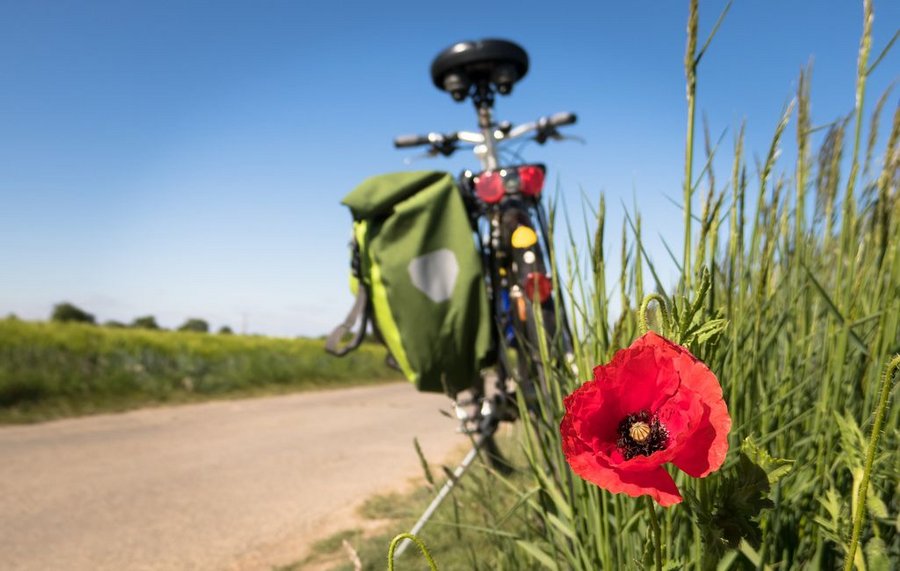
[(410, 141), (564, 118)]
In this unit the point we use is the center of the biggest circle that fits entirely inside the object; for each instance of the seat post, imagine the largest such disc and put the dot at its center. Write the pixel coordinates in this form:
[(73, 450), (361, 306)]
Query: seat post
[(483, 98)]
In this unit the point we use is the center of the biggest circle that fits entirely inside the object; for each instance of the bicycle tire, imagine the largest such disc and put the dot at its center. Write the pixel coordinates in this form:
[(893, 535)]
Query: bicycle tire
[(526, 367), (527, 262), (494, 455)]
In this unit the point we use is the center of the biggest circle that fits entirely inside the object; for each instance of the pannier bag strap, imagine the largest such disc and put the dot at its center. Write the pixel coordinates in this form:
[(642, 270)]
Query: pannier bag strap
[(360, 308)]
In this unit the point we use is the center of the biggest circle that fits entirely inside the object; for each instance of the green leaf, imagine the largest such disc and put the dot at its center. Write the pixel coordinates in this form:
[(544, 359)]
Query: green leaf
[(425, 467), (551, 489), (632, 521), (561, 527), (837, 521), (853, 442), (832, 504), (837, 312), (711, 328), (876, 555), (775, 468), (537, 554), (876, 505), (751, 554), (725, 563), (701, 333), (737, 502)]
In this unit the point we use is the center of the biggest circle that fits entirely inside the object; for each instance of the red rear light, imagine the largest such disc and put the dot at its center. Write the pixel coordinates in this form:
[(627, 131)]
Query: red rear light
[(489, 187), (531, 180), (544, 287)]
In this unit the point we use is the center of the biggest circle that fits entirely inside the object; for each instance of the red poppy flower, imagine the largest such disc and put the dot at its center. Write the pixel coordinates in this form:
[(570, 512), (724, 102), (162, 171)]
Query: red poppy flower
[(654, 403)]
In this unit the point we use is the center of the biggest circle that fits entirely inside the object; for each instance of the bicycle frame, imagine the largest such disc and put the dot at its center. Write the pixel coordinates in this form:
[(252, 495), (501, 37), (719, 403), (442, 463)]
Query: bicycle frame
[(507, 205), (497, 250), (497, 214), (505, 266)]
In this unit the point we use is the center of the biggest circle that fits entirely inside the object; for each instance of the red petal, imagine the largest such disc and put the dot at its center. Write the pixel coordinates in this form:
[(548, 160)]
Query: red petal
[(699, 436), (656, 483), (681, 416), (652, 374), (694, 457), (640, 377), (594, 468), (707, 446), (593, 415)]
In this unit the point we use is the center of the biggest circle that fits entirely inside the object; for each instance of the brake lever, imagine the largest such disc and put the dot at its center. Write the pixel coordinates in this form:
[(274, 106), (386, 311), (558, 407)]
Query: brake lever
[(445, 147), (545, 133), (553, 133), (426, 155), (560, 137)]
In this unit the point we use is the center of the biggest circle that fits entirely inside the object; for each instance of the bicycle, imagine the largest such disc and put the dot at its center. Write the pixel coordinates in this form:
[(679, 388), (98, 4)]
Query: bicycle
[(507, 215)]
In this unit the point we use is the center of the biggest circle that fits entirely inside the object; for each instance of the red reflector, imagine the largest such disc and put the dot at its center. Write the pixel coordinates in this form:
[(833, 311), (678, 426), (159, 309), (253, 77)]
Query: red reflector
[(489, 187), (531, 180), (544, 287)]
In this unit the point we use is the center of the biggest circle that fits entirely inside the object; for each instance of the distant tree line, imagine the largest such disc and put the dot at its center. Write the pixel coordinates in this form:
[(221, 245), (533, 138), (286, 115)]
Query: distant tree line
[(66, 312)]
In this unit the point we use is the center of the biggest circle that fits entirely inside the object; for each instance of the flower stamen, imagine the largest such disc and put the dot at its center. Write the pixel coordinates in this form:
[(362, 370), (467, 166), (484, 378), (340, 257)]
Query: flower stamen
[(641, 433)]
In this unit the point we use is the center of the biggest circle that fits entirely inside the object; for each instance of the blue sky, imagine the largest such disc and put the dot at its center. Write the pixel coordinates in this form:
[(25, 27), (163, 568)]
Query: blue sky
[(188, 159)]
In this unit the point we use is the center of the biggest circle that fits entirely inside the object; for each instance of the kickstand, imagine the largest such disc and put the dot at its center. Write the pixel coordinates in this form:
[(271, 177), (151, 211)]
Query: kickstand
[(443, 493)]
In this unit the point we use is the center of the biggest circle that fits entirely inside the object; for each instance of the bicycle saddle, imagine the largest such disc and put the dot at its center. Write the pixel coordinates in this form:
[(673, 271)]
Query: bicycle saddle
[(484, 62)]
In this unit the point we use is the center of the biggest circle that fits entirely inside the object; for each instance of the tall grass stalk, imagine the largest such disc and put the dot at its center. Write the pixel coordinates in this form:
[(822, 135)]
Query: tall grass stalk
[(690, 70), (886, 385), (812, 309)]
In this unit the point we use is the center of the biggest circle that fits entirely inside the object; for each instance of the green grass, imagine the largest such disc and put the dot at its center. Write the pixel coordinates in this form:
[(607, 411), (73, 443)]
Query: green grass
[(794, 271), (50, 370), (328, 550), (804, 269), (456, 535)]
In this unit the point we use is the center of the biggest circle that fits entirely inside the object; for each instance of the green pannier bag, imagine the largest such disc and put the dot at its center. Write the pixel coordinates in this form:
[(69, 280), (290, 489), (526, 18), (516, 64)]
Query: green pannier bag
[(417, 276)]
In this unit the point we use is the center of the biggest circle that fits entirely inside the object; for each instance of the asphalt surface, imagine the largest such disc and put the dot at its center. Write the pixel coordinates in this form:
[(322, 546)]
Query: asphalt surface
[(244, 484)]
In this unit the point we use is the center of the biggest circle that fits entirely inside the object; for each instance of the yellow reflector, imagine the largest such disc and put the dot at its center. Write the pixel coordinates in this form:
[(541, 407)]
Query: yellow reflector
[(524, 237)]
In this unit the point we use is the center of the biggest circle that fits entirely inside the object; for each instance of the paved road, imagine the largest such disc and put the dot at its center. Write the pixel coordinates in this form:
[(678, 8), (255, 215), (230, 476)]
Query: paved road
[(226, 485)]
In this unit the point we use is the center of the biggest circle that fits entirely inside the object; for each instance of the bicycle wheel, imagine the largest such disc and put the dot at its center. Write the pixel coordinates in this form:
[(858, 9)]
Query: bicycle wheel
[(525, 316), (491, 449), (533, 308)]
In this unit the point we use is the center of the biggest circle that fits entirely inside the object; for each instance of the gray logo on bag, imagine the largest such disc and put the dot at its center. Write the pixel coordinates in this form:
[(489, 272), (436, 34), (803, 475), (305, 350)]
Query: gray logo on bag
[(435, 274)]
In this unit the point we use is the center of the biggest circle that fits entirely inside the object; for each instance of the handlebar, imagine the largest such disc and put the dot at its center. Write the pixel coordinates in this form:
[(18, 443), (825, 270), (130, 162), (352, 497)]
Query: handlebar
[(564, 118), (544, 128), (437, 140), (410, 141)]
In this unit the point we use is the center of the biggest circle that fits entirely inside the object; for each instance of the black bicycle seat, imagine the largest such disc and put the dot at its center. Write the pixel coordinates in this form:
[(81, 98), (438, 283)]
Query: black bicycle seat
[(490, 61)]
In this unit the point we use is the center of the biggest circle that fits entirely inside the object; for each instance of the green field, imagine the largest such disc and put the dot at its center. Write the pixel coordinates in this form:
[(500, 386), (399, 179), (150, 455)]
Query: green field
[(50, 370)]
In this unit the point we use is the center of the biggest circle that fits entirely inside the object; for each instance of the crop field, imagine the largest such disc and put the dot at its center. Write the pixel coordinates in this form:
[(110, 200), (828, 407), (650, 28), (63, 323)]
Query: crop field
[(59, 369)]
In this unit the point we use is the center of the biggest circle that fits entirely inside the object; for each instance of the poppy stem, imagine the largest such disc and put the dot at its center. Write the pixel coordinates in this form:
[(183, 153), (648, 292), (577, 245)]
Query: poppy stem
[(409, 537), (654, 531), (663, 310), (886, 384)]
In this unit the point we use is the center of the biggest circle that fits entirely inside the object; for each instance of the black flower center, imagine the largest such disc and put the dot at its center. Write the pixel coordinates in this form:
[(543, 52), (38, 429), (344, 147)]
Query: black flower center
[(641, 433)]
